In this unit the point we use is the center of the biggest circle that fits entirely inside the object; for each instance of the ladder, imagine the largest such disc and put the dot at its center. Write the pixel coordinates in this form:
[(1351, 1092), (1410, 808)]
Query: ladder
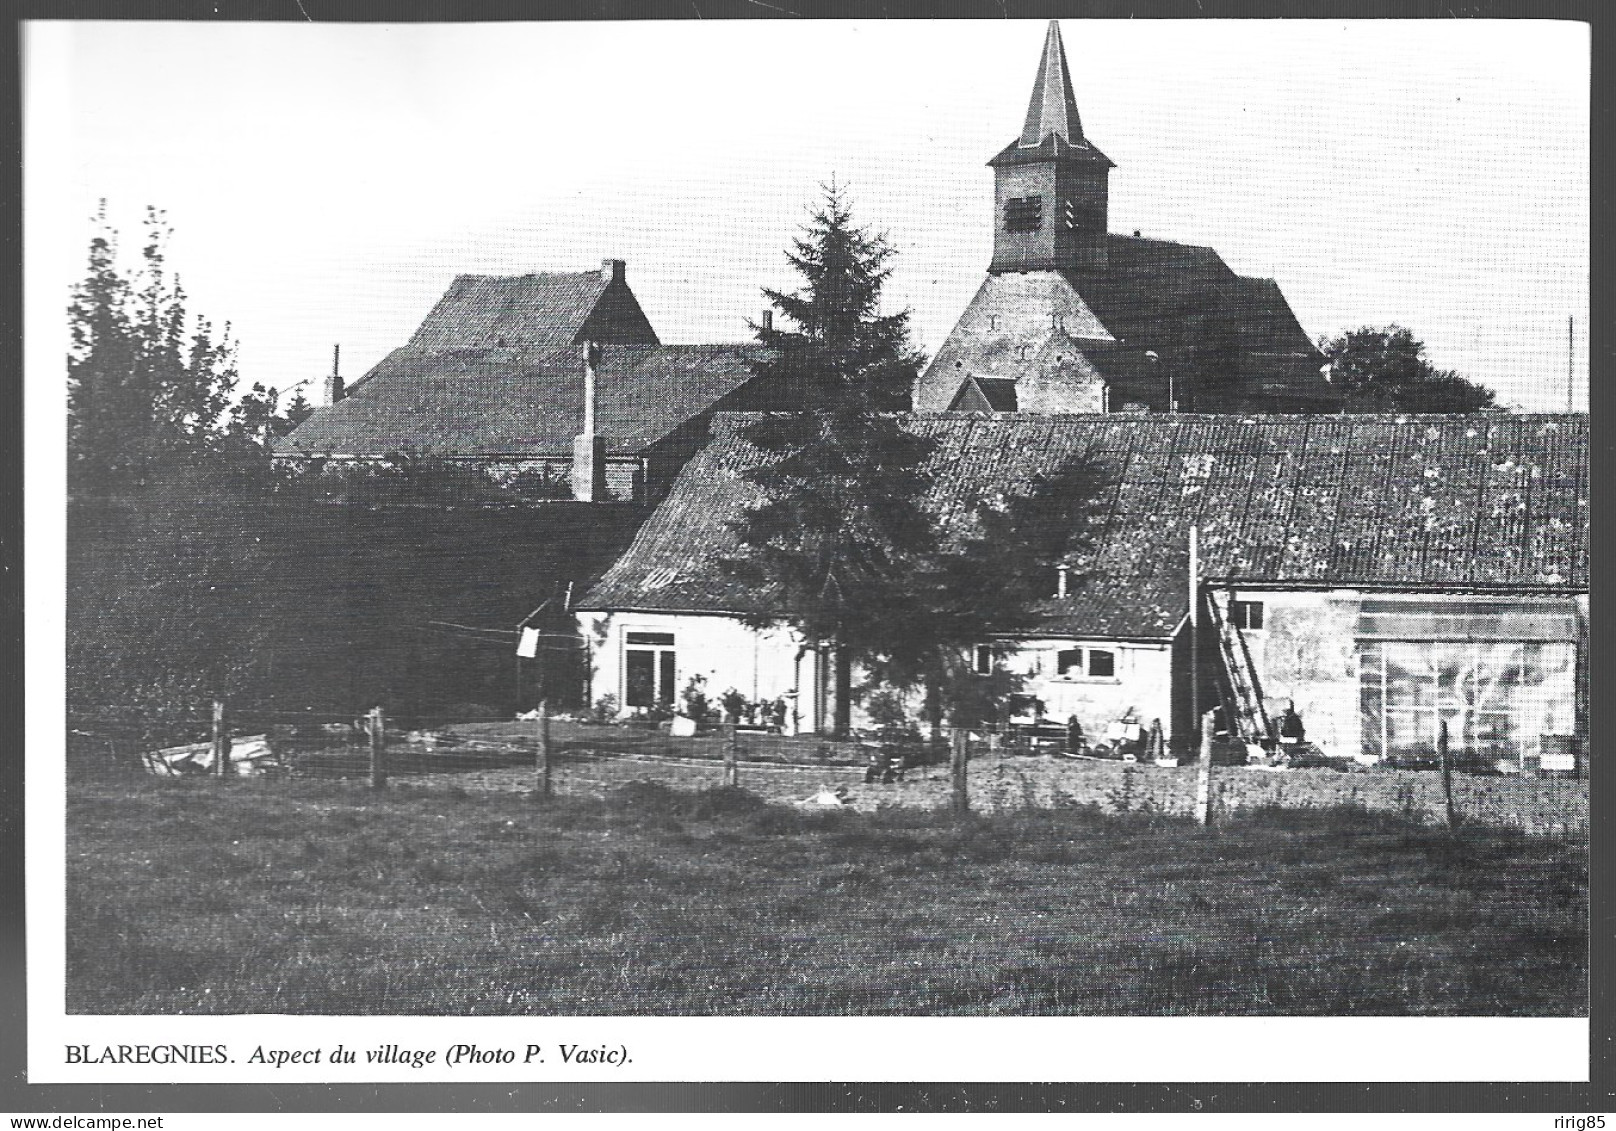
[(1247, 717)]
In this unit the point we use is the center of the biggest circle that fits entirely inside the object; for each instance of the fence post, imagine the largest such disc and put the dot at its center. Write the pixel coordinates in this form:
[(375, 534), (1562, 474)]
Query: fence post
[(542, 734), (221, 741), (1203, 775), (1447, 768), (958, 760), (732, 769), (378, 743)]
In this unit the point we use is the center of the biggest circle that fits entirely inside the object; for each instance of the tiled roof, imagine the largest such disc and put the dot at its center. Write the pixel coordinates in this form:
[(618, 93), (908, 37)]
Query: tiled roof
[(481, 402), (1472, 503), (517, 311)]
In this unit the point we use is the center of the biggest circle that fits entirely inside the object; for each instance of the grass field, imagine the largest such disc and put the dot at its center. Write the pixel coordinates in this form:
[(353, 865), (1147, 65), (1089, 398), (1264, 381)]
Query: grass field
[(270, 896)]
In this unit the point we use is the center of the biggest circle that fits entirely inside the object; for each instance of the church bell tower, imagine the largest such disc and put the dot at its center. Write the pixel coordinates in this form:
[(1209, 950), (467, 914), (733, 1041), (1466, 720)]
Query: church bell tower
[(1050, 184)]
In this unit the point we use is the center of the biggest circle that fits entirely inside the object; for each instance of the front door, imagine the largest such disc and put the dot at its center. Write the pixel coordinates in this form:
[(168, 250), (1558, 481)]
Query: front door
[(648, 670)]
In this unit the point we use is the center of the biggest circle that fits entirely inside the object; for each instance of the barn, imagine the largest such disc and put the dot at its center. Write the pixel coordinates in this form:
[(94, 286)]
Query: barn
[(1384, 575)]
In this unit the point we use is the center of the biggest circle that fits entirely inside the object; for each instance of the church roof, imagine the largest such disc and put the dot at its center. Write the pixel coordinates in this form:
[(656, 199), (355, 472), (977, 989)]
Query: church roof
[(1465, 503), (1053, 130), (520, 402)]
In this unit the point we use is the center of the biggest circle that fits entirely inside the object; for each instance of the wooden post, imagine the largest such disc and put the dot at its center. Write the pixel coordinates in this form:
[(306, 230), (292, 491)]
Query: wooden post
[(378, 742), (221, 741), (1447, 768), (732, 767), (1203, 775), (542, 735), (958, 761)]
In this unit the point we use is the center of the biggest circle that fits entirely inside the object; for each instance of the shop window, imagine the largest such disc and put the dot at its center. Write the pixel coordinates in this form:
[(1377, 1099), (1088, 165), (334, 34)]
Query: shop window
[(1102, 664), (1246, 615)]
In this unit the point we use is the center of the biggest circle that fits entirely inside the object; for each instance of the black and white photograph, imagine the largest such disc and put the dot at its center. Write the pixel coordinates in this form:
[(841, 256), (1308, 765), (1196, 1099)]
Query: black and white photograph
[(555, 538)]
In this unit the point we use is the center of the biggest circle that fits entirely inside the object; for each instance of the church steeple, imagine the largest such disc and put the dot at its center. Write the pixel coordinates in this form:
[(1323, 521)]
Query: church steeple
[(1051, 183), (1053, 109)]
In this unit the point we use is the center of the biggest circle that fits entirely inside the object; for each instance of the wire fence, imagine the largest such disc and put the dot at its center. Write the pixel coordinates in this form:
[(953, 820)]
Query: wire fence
[(982, 769)]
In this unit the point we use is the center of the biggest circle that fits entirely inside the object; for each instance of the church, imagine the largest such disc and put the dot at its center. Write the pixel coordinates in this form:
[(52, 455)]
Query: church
[(1073, 318)]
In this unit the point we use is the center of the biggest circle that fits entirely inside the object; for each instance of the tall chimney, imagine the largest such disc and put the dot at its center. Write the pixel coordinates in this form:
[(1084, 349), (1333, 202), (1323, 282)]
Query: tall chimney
[(334, 391), (588, 449), (768, 321)]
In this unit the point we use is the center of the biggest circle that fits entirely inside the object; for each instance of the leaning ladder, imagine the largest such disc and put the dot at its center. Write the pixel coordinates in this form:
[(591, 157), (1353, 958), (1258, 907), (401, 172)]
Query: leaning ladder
[(1249, 716)]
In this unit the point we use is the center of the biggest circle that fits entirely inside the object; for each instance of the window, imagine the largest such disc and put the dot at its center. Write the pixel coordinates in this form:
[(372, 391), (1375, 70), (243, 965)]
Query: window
[(984, 659), (648, 669), (1024, 214), (1102, 664), (1497, 698), (1069, 661), (1246, 615)]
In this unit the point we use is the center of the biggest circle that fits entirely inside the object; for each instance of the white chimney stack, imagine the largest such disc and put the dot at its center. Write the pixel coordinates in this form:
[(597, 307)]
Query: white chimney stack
[(588, 449)]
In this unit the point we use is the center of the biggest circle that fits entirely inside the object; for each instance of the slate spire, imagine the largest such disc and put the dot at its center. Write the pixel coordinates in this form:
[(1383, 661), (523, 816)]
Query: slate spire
[(1053, 109)]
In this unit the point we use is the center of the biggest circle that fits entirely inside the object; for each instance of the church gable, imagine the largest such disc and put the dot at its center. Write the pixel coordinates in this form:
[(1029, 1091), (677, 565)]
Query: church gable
[(1000, 333)]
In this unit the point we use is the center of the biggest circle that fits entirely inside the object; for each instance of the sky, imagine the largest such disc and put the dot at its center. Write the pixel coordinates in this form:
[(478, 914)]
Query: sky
[(325, 183)]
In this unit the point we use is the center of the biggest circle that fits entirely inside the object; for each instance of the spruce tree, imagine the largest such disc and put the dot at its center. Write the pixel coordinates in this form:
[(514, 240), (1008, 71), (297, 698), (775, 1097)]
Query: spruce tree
[(845, 542), (842, 479)]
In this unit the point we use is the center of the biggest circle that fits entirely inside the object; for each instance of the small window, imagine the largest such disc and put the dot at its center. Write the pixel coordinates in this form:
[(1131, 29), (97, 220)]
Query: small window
[(1246, 615), (1069, 661), (664, 639), (1024, 214), (984, 659), (1102, 664)]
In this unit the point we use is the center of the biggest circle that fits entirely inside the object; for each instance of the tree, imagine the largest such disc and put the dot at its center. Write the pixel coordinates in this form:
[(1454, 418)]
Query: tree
[(169, 491), (842, 479), (844, 541), (1385, 370), (148, 386)]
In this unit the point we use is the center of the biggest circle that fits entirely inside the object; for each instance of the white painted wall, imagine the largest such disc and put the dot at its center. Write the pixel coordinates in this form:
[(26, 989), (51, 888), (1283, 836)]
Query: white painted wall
[(1306, 652), (1143, 681), (761, 665)]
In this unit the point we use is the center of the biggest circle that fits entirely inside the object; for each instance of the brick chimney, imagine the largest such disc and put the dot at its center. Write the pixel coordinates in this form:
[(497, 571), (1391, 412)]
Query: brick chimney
[(334, 391), (588, 449), (611, 270)]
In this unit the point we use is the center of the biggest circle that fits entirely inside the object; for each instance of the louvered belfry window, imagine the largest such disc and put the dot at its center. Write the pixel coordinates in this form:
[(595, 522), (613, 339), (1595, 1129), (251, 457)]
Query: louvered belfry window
[(1023, 213)]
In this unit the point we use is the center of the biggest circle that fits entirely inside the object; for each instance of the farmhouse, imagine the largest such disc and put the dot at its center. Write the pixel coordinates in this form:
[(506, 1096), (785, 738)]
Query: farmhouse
[(524, 378), (1383, 574), (1073, 318)]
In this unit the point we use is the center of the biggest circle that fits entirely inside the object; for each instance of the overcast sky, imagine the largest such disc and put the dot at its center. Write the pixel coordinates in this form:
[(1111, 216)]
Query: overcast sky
[(327, 182)]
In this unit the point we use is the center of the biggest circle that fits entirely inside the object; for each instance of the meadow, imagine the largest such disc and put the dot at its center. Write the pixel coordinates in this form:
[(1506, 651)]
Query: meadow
[(319, 897)]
